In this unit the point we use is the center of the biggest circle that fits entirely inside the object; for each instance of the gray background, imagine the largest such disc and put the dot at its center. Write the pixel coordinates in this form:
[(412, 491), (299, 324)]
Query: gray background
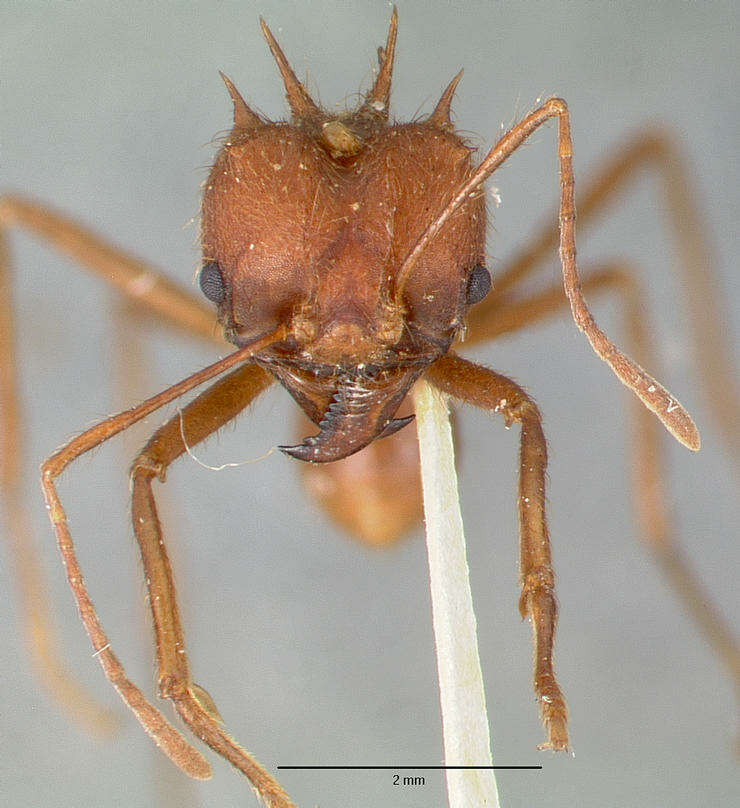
[(318, 650)]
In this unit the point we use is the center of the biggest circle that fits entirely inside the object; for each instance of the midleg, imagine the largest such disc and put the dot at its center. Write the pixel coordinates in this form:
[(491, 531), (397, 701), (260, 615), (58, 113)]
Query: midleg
[(653, 149), (143, 287), (136, 279), (652, 394), (647, 446), (24, 560), (517, 314), (484, 388)]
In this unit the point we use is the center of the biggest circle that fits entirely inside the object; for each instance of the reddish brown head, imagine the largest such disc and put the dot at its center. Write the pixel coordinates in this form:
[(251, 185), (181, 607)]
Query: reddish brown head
[(307, 224)]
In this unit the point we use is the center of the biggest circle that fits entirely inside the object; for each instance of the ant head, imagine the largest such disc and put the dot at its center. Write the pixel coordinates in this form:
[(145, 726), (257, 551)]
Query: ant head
[(307, 224)]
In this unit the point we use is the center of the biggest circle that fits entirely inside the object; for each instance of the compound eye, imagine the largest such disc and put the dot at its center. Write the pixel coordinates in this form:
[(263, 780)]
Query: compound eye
[(479, 285), (212, 282)]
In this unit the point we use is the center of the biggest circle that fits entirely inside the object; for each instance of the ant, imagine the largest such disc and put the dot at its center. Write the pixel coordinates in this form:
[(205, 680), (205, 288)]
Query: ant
[(346, 310)]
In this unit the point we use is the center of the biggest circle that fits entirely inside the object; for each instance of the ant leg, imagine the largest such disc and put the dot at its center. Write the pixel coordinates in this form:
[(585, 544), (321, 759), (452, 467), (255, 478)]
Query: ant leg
[(34, 607), (167, 738), (656, 150), (513, 315), (136, 279), (197, 421), (132, 372), (144, 287), (647, 446), (652, 394), (484, 388)]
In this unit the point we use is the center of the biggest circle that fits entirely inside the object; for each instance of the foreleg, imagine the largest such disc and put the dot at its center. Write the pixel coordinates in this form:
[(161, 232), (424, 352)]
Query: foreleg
[(491, 391)]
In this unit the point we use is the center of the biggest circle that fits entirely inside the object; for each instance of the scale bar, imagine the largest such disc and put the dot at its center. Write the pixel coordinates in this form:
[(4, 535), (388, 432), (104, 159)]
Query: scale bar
[(394, 768)]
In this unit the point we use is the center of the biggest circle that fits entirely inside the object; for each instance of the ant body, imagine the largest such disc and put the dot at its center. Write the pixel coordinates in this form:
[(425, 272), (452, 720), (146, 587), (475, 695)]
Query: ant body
[(349, 370)]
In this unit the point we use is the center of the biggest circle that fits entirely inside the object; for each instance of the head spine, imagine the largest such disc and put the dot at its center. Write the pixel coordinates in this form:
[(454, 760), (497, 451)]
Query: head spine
[(342, 136)]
